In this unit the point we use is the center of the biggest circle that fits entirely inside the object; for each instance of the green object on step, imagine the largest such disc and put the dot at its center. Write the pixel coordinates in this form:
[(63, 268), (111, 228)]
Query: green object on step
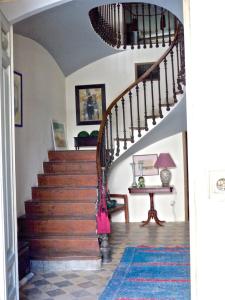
[(83, 134), (94, 133)]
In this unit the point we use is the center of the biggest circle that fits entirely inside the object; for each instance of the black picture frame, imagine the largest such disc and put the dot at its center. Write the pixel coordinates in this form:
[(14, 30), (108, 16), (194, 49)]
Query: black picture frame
[(141, 68), (18, 99), (90, 103)]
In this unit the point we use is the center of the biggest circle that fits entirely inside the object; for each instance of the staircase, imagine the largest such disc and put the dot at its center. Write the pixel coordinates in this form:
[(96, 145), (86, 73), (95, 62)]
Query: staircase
[(60, 221)]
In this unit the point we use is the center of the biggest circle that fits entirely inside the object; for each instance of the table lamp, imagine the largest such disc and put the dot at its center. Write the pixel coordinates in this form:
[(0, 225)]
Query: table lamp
[(164, 162)]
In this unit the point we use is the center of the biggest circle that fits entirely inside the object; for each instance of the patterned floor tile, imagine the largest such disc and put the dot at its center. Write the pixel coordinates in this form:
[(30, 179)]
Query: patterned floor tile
[(88, 285)]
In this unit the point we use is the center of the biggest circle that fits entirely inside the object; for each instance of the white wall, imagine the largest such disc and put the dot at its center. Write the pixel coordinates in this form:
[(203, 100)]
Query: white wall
[(170, 207), (117, 72), (205, 118), (43, 100)]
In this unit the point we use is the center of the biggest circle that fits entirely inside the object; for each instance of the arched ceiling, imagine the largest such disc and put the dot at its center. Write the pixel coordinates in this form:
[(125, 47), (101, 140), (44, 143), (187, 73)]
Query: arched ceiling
[(64, 29)]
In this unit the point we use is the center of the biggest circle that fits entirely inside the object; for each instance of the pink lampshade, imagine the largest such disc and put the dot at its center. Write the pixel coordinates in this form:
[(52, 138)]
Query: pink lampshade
[(164, 161)]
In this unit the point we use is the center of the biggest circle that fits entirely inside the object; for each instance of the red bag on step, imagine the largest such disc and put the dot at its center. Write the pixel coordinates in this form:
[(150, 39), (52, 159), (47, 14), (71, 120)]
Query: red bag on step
[(102, 218), (103, 223)]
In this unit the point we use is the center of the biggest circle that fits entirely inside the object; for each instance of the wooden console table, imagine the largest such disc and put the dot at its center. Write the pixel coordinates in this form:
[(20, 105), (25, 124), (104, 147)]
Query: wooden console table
[(151, 190), (85, 141)]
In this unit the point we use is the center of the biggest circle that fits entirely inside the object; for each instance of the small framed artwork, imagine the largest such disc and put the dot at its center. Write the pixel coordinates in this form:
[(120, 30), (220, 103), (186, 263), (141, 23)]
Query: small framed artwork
[(144, 165), (90, 103), (59, 135), (18, 99), (141, 68)]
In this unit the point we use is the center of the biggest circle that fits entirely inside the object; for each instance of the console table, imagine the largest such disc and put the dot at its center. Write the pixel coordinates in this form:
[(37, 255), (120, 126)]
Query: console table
[(151, 190), (85, 141)]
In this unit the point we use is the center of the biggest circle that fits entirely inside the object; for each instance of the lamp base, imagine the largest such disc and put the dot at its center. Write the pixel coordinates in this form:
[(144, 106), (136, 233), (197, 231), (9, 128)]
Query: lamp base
[(165, 176)]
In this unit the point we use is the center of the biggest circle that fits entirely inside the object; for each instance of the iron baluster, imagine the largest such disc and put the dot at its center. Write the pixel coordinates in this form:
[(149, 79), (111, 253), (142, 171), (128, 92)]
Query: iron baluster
[(150, 25), (169, 28), (153, 103), (117, 132), (173, 77), (118, 32), (162, 26), (160, 99), (138, 37), (145, 106), (166, 81), (124, 126), (131, 118), (156, 28), (143, 21), (138, 111), (111, 139)]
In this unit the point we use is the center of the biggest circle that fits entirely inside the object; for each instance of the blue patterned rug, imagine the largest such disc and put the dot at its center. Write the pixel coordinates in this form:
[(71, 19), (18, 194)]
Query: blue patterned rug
[(150, 273)]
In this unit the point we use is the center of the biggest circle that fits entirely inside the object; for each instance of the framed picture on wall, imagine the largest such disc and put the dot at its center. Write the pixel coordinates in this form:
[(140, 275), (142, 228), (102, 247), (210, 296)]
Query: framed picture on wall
[(18, 99), (90, 103), (141, 68), (59, 135), (148, 161)]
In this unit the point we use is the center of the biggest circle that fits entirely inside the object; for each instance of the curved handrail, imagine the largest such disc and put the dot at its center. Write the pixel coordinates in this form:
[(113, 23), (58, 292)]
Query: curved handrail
[(119, 97)]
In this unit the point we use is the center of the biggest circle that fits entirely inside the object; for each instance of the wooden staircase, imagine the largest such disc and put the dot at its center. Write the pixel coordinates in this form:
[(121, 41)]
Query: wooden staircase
[(60, 220)]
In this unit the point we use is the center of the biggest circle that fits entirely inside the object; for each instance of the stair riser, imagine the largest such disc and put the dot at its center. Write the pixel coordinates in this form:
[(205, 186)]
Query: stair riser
[(78, 227), (63, 245), (72, 155), (68, 168), (63, 194), (67, 180), (60, 209)]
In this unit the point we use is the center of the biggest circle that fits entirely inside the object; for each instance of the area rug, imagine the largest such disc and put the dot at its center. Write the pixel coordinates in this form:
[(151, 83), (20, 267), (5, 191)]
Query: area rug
[(151, 273)]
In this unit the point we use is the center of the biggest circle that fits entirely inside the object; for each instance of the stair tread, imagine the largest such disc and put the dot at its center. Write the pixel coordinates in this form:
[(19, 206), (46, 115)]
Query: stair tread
[(151, 116), (170, 104), (63, 236), (69, 161), (55, 201), (123, 139), (59, 218), (65, 187), (136, 127), (48, 255), (66, 174), (29, 236), (47, 201)]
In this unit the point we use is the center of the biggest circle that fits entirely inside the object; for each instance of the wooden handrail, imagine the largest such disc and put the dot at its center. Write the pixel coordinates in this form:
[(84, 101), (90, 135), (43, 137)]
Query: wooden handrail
[(127, 90)]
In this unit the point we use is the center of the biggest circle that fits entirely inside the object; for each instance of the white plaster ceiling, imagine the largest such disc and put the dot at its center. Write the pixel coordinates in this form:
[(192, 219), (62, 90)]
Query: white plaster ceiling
[(64, 29)]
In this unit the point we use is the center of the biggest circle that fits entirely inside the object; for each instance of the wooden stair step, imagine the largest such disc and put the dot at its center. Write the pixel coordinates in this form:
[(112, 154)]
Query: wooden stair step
[(136, 127), (67, 180), (64, 193), (62, 243), (29, 226), (123, 139), (53, 208), (68, 167), (165, 105), (72, 155), (62, 255), (151, 116)]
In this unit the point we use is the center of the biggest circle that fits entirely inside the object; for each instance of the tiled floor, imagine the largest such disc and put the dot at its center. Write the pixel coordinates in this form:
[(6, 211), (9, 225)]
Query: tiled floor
[(88, 285)]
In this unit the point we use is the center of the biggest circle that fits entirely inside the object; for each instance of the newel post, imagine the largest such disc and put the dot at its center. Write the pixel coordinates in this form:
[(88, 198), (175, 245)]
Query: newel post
[(104, 238)]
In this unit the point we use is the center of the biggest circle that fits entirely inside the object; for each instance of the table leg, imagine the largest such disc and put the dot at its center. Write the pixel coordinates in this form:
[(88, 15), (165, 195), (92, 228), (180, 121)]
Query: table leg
[(152, 213)]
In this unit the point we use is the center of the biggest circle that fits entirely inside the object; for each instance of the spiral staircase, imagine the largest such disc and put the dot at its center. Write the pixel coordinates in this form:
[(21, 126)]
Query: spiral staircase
[(60, 219)]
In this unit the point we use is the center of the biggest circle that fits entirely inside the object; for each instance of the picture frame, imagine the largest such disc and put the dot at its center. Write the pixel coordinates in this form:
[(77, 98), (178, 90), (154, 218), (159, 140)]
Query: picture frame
[(18, 99), (59, 135), (148, 164), (90, 103), (141, 68)]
